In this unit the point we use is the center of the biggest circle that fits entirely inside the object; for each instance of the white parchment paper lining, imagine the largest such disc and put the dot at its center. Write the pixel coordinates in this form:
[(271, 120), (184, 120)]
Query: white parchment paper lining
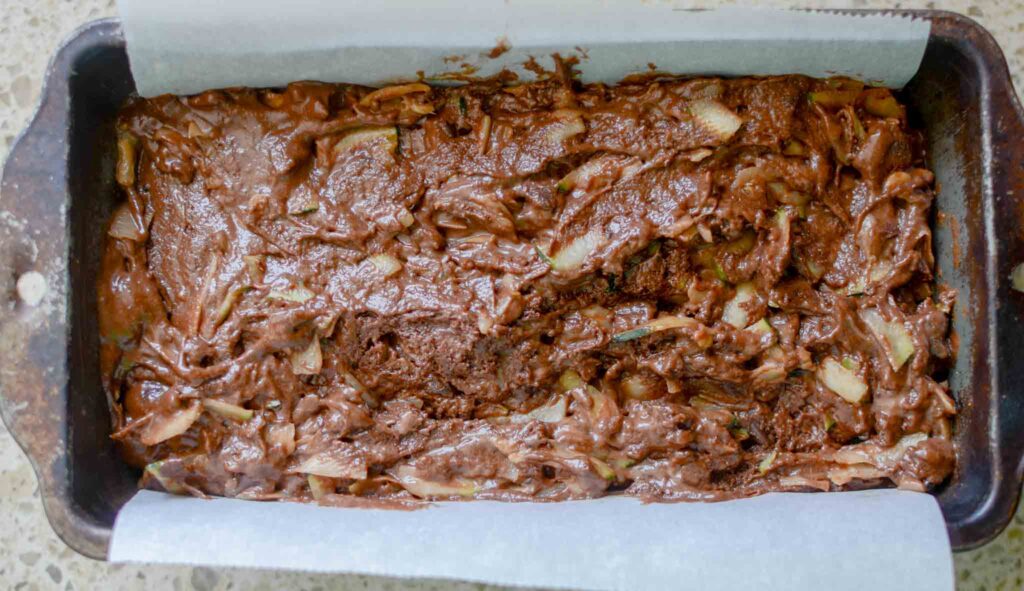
[(856, 541), (188, 46)]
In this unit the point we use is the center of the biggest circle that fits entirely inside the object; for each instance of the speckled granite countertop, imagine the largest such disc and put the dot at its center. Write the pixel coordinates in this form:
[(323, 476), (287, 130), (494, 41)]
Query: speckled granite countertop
[(31, 555)]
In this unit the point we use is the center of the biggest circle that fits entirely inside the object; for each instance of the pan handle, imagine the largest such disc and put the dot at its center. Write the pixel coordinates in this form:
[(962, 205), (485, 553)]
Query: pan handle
[(1006, 129), (34, 296)]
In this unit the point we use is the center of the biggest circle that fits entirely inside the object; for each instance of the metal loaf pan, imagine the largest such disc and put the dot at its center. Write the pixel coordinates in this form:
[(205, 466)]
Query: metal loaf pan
[(58, 190)]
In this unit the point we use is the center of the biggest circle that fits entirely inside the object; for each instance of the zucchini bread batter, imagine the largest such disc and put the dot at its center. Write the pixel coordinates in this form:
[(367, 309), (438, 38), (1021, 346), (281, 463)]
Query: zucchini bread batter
[(675, 288)]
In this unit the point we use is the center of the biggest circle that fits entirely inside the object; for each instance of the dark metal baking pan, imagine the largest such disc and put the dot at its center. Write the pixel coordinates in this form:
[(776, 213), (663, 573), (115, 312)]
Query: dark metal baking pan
[(58, 189)]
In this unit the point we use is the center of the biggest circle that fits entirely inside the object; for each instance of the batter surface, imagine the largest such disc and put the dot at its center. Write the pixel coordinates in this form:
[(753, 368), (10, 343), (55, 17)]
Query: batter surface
[(680, 289)]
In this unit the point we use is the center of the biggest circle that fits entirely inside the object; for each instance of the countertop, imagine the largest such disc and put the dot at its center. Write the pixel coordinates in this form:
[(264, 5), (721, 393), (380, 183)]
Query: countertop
[(31, 555)]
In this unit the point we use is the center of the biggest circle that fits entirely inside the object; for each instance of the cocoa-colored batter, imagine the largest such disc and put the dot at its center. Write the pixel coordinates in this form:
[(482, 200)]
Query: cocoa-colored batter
[(681, 289)]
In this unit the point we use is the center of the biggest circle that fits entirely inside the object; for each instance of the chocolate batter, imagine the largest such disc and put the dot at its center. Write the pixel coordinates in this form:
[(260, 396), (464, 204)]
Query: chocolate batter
[(680, 289)]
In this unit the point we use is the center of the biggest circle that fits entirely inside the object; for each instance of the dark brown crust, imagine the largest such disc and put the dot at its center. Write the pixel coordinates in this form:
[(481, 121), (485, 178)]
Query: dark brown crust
[(428, 369)]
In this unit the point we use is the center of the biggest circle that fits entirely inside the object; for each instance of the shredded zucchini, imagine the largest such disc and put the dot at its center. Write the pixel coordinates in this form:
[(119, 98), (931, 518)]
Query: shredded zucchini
[(742, 245), (603, 470), (636, 386), (570, 380), (881, 103), (392, 92), (659, 324), (298, 295), (170, 485), (227, 410), (899, 345), (127, 148), (786, 195), (308, 361), (794, 147), (325, 464), (599, 401), (549, 413), (569, 124), (735, 312), (1017, 277), (769, 373), (123, 226), (308, 205), (320, 486), (254, 268), (228, 304), (543, 256), (761, 327), (406, 218), (842, 381), (716, 118), (834, 97), (630, 335), (387, 135), (386, 264), (573, 255), (423, 488), (163, 427)]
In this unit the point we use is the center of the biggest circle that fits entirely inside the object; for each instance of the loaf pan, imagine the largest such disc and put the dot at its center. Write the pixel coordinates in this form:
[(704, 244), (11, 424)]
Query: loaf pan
[(58, 190)]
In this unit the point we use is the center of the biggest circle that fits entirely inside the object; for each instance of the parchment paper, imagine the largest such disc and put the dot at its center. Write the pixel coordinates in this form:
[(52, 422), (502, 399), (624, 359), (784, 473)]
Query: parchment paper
[(867, 540), (858, 541), (188, 46)]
